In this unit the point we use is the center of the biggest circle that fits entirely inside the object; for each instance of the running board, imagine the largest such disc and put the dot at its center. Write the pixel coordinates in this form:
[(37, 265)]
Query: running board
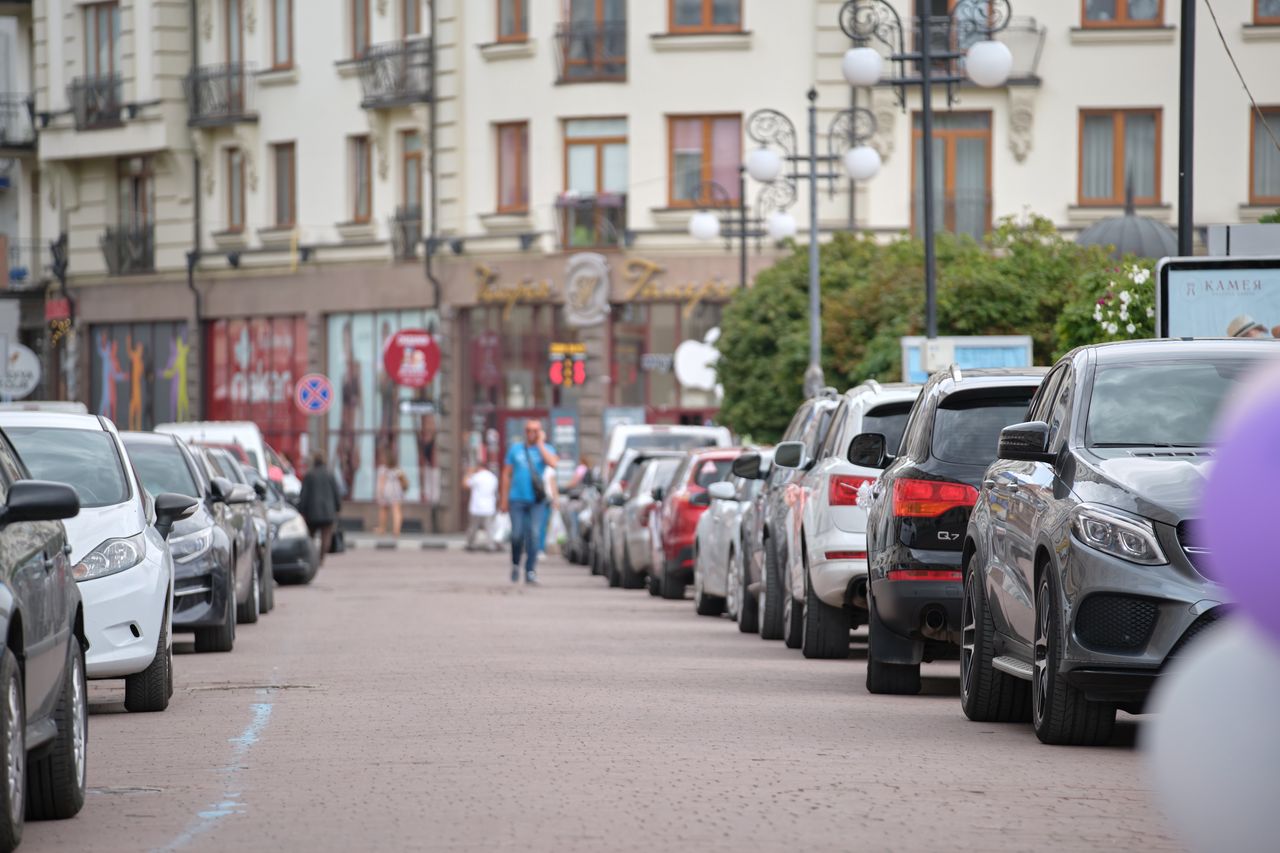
[(1013, 666)]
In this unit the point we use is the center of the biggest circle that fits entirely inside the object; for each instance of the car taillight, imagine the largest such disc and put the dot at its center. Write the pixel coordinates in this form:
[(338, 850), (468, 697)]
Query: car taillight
[(846, 555), (925, 575), (842, 489), (930, 498)]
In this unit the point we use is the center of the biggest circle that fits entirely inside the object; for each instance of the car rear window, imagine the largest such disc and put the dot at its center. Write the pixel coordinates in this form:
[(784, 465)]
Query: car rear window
[(888, 420), (86, 460), (704, 472), (161, 468), (668, 441), (966, 429)]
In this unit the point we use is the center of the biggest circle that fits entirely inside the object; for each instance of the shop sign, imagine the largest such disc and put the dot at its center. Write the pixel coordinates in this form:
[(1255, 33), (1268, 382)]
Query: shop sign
[(568, 366), (622, 416), (411, 358), (57, 308), (644, 284), (21, 374), (695, 362), (656, 362), (586, 290), (564, 437), (527, 292)]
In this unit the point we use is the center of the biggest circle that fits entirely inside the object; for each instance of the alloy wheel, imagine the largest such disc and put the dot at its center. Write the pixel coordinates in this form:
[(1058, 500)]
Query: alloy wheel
[(255, 600), (1041, 692), (79, 718), (16, 749), (732, 589), (968, 637)]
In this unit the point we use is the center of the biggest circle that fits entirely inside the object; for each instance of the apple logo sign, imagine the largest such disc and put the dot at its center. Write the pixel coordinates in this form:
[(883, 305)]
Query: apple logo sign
[(695, 363)]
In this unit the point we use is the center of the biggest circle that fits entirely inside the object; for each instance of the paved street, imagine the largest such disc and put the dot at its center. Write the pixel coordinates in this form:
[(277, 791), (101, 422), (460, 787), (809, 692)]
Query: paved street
[(412, 700)]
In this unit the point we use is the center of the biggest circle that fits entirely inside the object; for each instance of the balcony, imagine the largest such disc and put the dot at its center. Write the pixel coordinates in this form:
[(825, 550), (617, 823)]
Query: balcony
[(406, 232), (592, 52), (592, 221), (17, 129), (220, 95), (24, 266), (129, 251), (96, 101), (397, 74)]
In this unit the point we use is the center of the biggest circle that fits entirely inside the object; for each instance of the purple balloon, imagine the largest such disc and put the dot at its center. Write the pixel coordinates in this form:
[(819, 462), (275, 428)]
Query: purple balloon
[(1238, 512)]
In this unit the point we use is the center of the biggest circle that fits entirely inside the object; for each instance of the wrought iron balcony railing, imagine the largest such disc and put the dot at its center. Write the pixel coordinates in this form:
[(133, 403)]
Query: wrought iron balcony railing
[(406, 232), (396, 74), (96, 101), (25, 263), (591, 51), (129, 250), (220, 95), (592, 221), (17, 127)]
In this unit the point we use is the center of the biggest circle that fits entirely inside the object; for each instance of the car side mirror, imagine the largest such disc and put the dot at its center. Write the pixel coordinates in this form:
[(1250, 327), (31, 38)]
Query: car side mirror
[(658, 493), (700, 499), (869, 450), (747, 466), (790, 454), (260, 489), (241, 494), (617, 499), (220, 489), (39, 500), (1027, 442), (172, 508), (722, 491)]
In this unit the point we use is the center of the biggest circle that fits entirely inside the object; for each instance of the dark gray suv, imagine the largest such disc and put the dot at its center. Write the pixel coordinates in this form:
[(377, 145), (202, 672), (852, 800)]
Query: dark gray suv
[(1082, 577)]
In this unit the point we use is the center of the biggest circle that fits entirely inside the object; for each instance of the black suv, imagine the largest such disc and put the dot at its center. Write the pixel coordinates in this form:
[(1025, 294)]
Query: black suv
[(1081, 577), (919, 511)]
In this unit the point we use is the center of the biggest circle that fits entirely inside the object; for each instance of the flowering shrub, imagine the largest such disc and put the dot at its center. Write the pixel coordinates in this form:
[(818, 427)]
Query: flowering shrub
[(1116, 304)]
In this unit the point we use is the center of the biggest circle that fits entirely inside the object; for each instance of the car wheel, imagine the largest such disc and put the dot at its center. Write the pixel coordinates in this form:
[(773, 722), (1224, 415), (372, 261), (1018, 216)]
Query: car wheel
[(704, 604), (732, 591), (266, 574), (593, 556), (1060, 712), (792, 621), (253, 606), (748, 609), (887, 678), (825, 634), (631, 579), (223, 637), (771, 597), (56, 781), (987, 695), (148, 690), (611, 570), (13, 743), (672, 588)]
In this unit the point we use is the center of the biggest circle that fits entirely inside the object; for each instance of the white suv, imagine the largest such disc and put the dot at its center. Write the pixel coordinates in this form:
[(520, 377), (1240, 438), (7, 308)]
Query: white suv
[(827, 572)]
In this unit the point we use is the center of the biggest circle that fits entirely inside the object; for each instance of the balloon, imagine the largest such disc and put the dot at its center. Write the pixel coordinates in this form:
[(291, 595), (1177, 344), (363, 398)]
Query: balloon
[(1213, 747)]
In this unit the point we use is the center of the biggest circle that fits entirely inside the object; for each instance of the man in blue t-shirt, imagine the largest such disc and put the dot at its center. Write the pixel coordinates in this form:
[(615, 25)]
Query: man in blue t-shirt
[(524, 496)]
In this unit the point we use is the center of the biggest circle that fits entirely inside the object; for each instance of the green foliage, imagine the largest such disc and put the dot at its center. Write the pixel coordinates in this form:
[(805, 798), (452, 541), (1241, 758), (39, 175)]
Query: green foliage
[(1274, 216), (1113, 304)]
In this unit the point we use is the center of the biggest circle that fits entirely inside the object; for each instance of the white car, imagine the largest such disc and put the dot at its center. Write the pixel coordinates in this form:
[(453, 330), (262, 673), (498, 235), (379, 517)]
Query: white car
[(827, 570), (626, 437), (246, 435), (118, 551), (717, 545)]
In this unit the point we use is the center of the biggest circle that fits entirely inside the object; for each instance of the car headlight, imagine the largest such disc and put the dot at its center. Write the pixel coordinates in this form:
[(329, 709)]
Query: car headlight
[(187, 548), (293, 528), (1128, 537), (112, 556)]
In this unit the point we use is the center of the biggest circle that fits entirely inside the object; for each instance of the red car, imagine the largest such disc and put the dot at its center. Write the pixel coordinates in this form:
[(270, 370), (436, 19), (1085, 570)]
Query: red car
[(677, 521)]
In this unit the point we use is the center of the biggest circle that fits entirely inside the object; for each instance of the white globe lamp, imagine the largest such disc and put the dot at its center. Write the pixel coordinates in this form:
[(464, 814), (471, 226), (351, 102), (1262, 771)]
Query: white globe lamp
[(862, 163), (704, 226), (988, 63), (781, 225), (764, 165), (862, 66)]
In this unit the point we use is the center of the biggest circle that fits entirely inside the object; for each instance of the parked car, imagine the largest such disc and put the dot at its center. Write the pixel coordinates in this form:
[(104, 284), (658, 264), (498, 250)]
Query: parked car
[(295, 558), (626, 475), (207, 567), (577, 503), (1082, 574), (809, 426), (682, 505), (825, 572), (44, 707), (119, 556), (718, 545), (261, 526), (919, 511), (659, 437), (640, 502), (747, 568), (247, 435), (237, 514)]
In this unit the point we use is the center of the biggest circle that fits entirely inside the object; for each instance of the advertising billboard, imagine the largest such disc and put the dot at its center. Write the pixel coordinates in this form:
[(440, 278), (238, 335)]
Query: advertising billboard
[(1218, 297)]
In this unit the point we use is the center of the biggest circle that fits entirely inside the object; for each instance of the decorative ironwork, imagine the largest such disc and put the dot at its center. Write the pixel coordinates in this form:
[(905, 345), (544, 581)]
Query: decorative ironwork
[(129, 250), (17, 121), (592, 221), (220, 94), (397, 74), (96, 101), (770, 127), (406, 232), (591, 51)]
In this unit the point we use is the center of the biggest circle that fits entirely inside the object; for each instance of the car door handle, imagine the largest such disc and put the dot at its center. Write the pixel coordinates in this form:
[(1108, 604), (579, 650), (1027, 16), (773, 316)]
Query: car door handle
[(988, 484)]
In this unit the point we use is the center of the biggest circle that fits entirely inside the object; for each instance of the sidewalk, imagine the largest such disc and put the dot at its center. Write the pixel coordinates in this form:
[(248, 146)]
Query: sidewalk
[(367, 541)]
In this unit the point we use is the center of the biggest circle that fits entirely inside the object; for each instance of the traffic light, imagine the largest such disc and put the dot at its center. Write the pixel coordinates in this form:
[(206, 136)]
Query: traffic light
[(568, 365)]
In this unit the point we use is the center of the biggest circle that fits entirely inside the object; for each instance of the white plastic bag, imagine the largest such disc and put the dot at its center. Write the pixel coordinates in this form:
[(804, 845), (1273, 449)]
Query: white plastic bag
[(502, 528), (556, 532)]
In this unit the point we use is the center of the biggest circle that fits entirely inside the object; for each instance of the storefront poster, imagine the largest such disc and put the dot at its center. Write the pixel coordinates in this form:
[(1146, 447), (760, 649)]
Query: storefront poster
[(564, 435), (140, 373), (1219, 298)]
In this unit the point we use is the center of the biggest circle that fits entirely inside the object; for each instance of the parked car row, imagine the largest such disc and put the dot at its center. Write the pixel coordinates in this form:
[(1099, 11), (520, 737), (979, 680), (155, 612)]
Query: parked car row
[(110, 543), (1037, 525)]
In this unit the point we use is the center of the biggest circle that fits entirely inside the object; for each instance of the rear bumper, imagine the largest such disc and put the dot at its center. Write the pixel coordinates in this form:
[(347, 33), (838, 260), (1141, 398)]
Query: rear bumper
[(904, 607), (679, 566), (834, 581)]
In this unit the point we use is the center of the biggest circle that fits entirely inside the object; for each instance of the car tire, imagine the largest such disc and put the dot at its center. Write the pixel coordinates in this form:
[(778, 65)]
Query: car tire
[(631, 579), (672, 588), (748, 607), (987, 695), (266, 574), (13, 750), (248, 614), (56, 781), (704, 604), (792, 621), (1060, 713), (770, 604), (655, 584), (611, 571), (223, 637), (732, 595), (825, 629), (593, 557), (891, 679), (148, 691)]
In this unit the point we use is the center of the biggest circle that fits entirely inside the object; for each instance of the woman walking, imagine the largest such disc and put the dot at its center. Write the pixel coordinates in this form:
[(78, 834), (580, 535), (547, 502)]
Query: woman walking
[(390, 491)]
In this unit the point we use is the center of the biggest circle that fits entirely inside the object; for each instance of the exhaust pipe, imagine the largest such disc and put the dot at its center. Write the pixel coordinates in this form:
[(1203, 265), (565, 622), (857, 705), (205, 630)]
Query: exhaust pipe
[(935, 621)]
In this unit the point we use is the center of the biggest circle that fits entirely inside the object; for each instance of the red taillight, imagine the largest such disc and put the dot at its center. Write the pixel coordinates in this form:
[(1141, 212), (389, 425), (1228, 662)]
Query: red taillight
[(846, 555), (925, 575), (930, 498), (842, 489)]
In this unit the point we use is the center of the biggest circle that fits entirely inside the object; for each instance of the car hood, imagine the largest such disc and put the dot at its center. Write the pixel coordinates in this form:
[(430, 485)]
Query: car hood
[(95, 525), (1163, 488)]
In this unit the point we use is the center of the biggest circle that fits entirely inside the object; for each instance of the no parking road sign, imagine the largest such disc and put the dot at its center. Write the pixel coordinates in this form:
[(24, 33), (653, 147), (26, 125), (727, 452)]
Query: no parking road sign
[(313, 394)]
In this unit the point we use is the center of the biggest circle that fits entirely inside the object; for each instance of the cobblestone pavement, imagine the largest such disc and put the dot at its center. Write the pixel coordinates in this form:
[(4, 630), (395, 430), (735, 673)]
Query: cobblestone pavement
[(418, 700)]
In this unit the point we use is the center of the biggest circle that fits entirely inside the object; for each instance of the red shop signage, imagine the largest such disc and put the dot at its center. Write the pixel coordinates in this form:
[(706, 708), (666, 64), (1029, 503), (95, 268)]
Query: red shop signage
[(411, 358)]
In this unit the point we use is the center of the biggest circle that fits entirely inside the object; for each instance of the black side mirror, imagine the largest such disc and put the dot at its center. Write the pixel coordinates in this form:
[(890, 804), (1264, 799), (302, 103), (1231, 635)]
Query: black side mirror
[(1028, 442), (790, 454), (869, 450), (39, 500), (658, 493), (172, 508), (260, 489), (700, 499), (747, 466), (219, 489)]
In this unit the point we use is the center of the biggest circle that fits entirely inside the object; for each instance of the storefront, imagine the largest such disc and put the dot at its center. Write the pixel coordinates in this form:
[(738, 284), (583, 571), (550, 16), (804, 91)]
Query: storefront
[(140, 373)]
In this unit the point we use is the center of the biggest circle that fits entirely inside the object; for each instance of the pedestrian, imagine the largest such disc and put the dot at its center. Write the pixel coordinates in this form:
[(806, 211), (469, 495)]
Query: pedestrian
[(482, 506), (552, 488), (319, 503), (390, 488), (524, 496)]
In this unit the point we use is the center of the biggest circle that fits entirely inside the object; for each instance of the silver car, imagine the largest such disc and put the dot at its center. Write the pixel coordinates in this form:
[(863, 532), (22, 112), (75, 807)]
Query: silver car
[(634, 557), (620, 489), (717, 543)]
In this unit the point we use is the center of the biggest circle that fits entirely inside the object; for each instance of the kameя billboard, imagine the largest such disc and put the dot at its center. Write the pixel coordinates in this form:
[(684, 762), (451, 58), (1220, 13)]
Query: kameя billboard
[(1218, 298)]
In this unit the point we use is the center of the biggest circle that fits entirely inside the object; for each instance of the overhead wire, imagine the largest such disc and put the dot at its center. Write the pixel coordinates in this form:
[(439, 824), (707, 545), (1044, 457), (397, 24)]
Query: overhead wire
[(1258, 110)]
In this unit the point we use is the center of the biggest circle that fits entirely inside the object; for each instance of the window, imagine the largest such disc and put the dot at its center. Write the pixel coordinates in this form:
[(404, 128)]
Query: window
[(513, 20), (593, 41), (1118, 148), (595, 164), (702, 149), (513, 167), (285, 161), (281, 33), (88, 459), (1266, 12), (102, 39), (961, 173), (359, 28), (136, 193), (361, 179), (234, 29), (235, 189), (705, 16), (411, 17), (411, 170), (1264, 171), (1123, 13)]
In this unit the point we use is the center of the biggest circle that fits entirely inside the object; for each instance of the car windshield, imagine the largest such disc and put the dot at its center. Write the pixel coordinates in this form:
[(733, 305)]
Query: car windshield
[(161, 468), (1166, 403), (668, 441), (708, 471), (84, 459), (967, 431), (889, 421)]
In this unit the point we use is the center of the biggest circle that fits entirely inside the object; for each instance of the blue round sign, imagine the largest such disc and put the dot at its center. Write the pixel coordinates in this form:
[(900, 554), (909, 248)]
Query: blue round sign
[(313, 394)]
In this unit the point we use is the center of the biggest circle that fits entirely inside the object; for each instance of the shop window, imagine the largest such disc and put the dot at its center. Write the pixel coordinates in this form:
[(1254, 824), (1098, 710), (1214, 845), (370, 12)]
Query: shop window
[(1264, 160), (644, 341), (1119, 147), (141, 373), (1122, 13), (703, 149), (705, 16)]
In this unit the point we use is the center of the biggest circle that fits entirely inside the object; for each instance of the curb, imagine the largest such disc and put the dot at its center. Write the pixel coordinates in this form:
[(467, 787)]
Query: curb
[(400, 545)]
